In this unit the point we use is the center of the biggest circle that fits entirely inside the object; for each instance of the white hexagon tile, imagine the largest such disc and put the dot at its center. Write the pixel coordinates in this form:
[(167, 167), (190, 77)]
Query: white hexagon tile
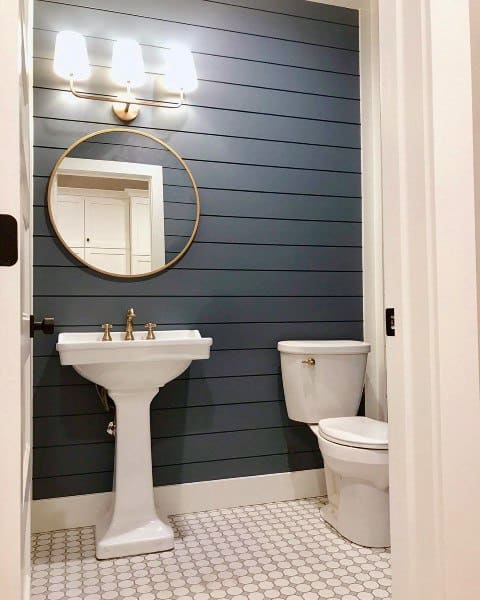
[(279, 550)]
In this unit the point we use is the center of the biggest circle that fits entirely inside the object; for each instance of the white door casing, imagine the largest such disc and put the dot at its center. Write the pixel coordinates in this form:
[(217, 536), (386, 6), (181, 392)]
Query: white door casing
[(431, 280), (430, 161), (15, 301)]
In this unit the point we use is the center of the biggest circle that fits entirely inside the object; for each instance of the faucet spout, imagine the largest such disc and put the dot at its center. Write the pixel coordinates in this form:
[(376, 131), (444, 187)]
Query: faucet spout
[(129, 324)]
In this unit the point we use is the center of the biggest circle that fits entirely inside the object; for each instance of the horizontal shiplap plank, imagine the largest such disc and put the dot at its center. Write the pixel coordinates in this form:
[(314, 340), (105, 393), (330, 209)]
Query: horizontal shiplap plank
[(92, 458), (252, 231), (219, 78), (230, 18), (201, 310), (204, 120), (232, 336), (300, 8), (209, 419), (200, 39), (73, 460), (222, 363), (254, 73), (88, 429), (212, 174), (90, 483), (340, 103), (234, 203), (186, 211), (48, 251), (61, 134), (55, 281), (53, 401), (237, 177)]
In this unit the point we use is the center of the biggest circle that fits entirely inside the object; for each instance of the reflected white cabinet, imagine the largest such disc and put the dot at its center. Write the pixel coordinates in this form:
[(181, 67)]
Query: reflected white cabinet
[(70, 219), (110, 230)]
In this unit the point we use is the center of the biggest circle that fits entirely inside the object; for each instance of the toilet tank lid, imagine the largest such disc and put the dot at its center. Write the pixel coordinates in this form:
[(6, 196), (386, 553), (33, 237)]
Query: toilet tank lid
[(323, 347)]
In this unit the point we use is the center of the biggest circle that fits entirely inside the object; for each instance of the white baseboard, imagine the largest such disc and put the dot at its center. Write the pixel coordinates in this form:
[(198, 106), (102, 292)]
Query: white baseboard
[(78, 511)]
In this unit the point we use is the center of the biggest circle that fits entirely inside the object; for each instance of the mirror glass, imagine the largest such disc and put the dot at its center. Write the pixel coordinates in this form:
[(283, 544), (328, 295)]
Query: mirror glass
[(124, 203)]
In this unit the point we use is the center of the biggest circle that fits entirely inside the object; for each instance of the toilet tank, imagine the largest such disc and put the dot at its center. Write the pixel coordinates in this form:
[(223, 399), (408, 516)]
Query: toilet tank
[(322, 378)]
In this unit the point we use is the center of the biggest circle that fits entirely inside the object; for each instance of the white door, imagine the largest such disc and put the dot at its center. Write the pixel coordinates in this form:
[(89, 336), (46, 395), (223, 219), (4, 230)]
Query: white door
[(15, 302), (107, 222)]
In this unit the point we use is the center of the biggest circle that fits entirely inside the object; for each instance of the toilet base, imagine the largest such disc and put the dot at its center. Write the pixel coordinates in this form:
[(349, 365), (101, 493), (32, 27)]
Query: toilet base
[(362, 528), (329, 515)]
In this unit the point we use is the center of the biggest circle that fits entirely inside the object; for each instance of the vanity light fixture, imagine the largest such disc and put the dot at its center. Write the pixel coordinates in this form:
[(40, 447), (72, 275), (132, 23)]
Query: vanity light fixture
[(71, 63)]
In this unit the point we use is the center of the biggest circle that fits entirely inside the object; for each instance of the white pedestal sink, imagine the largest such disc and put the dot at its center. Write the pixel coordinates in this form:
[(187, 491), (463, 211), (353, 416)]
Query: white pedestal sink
[(132, 372)]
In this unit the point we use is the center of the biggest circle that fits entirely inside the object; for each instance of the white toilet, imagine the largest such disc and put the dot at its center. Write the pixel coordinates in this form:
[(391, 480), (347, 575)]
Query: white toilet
[(323, 384)]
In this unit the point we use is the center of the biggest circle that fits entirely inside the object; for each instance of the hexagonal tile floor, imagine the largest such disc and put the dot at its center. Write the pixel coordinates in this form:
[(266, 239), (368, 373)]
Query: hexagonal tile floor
[(279, 550)]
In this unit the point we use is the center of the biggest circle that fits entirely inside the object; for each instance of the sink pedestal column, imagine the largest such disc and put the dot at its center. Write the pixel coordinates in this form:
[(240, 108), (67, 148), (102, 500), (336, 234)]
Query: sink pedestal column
[(131, 526)]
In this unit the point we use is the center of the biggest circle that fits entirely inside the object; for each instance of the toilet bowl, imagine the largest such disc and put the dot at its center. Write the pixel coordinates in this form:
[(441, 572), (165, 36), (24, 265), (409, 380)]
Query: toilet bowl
[(355, 454), (323, 385)]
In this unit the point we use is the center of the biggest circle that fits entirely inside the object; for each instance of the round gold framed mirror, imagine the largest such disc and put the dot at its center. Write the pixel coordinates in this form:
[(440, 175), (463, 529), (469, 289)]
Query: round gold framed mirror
[(124, 203)]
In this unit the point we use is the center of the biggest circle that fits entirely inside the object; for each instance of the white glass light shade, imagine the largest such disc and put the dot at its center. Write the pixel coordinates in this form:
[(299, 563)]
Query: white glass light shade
[(71, 57), (180, 71), (127, 63)]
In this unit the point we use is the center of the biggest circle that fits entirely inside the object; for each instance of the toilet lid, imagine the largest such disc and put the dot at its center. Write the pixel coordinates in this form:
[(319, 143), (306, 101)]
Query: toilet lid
[(357, 432), (323, 347)]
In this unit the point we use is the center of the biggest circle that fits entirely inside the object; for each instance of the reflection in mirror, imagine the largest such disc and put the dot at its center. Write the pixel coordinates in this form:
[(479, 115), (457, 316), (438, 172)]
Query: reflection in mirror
[(123, 203)]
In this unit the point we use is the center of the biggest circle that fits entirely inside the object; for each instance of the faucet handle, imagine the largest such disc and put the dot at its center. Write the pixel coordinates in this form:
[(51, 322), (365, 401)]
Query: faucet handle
[(106, 332), (150, 327)]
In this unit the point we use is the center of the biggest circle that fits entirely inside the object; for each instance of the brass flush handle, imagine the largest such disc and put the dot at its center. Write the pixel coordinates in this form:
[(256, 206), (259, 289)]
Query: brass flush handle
[(150, 327), (310, 362), (106, 332)]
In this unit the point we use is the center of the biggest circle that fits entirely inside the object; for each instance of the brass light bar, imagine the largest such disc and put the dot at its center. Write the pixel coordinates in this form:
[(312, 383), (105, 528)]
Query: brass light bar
[(126, 109)]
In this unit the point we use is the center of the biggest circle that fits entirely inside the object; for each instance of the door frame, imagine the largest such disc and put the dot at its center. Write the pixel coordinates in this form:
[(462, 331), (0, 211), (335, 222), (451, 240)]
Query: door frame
[(16, 174)]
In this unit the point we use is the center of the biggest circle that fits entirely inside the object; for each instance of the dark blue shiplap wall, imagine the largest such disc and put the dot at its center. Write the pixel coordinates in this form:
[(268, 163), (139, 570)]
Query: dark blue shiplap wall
[(272, 136)]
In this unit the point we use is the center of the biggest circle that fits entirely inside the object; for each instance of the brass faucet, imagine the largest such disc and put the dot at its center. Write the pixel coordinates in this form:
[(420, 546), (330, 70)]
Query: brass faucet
[(129, 325)]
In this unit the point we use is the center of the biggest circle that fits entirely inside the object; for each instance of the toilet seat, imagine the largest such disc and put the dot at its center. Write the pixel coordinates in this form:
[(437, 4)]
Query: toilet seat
[(356, 432)]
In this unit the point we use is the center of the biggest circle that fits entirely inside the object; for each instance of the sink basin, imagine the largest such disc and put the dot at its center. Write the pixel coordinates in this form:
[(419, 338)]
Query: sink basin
[(132, 372), (156, 361)]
